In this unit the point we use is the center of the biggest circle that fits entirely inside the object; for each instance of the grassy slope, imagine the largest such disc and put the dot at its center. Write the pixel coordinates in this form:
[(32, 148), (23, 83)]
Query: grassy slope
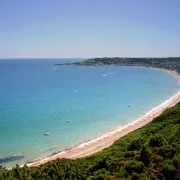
[(151, 152)]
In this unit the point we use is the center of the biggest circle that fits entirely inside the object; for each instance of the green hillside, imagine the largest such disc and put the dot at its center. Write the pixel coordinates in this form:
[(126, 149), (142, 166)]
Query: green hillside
[(169, 63), (151, 152)]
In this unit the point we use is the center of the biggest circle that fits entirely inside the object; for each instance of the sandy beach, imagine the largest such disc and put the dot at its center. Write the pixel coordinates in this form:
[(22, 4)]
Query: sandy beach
[(104, 141)]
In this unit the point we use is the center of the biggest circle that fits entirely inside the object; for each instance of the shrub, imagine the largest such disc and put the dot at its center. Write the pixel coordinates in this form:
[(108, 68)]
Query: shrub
[(169, 170), (100, 171), (157, 141), (98, 177), (122, 173), (112, 164), (135, 144), (143, 177), (176, 160), (110, 177), (167, 152), (134, 176), (129, 154), (158, 159), (93, 167), (175, 135), (134, 166), (144, 156)]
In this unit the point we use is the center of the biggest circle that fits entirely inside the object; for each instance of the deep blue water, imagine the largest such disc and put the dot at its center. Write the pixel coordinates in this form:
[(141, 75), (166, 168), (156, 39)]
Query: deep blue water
[(73, 104)]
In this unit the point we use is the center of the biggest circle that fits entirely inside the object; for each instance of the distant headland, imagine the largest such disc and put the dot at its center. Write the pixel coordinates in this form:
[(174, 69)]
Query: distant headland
[(169, 63)]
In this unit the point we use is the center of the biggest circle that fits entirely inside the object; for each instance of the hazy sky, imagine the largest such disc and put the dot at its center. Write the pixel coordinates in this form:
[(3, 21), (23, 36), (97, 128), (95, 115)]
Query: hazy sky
[(89, 28)]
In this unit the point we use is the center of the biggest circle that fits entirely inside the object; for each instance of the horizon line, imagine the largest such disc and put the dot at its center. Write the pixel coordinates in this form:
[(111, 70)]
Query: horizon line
[(89, 57)]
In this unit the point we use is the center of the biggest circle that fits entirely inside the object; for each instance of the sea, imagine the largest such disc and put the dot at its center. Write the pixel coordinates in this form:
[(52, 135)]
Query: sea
[(45, 108)]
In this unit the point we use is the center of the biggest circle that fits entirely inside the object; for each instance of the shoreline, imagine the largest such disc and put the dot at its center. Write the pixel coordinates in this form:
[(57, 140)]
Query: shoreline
[(98, 144)]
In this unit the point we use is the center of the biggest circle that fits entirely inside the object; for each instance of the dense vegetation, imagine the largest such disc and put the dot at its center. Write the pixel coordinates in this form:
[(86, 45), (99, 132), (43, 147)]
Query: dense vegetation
[(171, 63), (151, 152)]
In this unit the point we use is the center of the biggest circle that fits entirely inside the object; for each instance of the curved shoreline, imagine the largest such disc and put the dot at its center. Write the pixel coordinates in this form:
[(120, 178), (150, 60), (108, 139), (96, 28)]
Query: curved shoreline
[(104, 141)]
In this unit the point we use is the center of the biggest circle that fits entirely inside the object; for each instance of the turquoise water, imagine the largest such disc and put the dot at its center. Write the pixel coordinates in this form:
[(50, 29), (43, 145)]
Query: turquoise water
[(73, 104)]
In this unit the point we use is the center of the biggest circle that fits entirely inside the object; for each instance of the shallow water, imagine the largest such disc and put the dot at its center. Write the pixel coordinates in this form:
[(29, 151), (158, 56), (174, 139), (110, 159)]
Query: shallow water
[(73, 104)]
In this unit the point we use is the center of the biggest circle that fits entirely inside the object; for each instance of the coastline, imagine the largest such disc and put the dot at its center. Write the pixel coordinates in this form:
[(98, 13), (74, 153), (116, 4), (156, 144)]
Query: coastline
[(104, 141)]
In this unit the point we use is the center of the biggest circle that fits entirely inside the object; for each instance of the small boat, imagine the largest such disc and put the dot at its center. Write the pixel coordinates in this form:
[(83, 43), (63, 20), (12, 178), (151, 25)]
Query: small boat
[(53, 69), (46, 134)]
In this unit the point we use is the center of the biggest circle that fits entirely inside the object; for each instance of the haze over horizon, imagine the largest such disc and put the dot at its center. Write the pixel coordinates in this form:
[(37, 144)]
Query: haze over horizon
[(58, 29)]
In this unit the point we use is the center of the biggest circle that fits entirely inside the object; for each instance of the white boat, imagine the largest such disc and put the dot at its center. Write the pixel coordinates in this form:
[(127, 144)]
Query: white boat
[(46, 134)]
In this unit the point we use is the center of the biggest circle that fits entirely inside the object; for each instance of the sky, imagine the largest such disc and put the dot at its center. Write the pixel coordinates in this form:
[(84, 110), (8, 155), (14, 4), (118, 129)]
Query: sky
[(89, 28)]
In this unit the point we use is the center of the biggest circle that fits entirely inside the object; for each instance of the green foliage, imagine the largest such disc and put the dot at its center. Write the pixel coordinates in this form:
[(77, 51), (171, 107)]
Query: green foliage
[(143, 154), (122, 173), (167, 152), (134, 166), (175, 135), (143, 176), (169, 170), (136, 144), (135, 176), (157, 160), (176, 160), (98, 177), (157, 141), (129, 154)]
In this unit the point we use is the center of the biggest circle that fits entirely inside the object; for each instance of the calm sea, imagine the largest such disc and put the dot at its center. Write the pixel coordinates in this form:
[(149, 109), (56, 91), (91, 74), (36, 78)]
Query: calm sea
[(74, 104)]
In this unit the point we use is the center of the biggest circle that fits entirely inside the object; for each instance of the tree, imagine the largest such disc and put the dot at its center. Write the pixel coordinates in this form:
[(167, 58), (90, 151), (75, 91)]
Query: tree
[(157, 141), (144, 156)]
